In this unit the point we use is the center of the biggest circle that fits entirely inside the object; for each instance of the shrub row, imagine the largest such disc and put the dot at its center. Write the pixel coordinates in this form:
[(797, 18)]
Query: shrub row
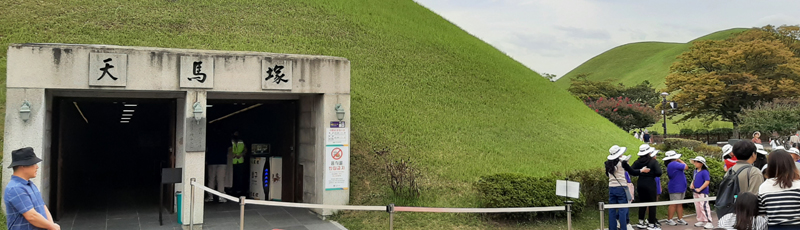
[(518, 190), (706, 131), (693, 145)]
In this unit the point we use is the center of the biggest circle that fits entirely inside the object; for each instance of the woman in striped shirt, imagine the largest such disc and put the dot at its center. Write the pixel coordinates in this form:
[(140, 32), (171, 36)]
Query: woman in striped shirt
[(779, 195)]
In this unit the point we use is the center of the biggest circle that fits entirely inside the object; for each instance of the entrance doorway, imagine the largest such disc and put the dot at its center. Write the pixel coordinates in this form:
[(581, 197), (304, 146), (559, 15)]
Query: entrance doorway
[(109, 156), (270, 128)]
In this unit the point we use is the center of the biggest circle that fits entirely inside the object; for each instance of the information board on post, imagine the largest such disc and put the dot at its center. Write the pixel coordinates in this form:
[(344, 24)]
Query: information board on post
[(569, 189), (337, 159)]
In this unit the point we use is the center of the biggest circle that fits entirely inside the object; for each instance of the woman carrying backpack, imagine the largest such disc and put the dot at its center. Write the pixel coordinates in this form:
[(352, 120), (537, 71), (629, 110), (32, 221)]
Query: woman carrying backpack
[(647, 184), (618, 192)]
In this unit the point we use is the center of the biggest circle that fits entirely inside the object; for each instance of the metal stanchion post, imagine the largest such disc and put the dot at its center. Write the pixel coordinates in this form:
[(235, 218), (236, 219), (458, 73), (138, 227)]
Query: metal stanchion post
[(191, 205), (241, 212), (602, 212), (390, 210), (568, 205)]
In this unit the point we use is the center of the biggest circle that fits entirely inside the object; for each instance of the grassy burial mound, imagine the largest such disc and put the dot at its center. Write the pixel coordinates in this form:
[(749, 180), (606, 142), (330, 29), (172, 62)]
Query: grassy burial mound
[(633, 63), (425, 89)]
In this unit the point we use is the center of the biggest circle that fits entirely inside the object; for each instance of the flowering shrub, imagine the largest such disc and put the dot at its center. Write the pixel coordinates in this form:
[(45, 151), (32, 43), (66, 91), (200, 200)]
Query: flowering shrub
[(624, 113)]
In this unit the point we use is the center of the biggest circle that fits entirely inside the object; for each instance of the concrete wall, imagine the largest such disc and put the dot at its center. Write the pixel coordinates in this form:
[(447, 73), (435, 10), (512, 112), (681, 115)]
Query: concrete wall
[(37, 72)]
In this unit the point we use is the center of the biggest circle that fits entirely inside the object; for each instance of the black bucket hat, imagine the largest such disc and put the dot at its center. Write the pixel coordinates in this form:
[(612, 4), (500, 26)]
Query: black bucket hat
[(23, 157)]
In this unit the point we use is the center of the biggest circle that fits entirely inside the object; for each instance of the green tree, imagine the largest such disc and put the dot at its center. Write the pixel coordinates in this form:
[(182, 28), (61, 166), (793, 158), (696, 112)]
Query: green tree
[(642, 93), (782, 116), (585, 89), (714, 80)]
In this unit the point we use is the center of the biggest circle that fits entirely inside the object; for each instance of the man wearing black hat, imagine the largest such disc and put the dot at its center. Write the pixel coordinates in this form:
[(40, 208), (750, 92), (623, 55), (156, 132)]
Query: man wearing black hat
[(25, 208)]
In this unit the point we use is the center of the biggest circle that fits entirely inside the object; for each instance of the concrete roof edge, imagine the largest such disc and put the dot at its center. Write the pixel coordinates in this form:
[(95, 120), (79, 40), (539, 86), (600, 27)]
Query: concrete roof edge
[(174, 50)]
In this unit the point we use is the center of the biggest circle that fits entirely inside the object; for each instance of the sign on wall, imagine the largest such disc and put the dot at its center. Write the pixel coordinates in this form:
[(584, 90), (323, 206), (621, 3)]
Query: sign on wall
[(197, 72), (276, 74), (108, 69), (337, 159)]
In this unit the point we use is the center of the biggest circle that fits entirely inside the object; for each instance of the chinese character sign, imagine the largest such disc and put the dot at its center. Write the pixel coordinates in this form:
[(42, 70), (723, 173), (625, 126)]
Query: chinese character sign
[(108, 69), (197, 72), (276, 74)]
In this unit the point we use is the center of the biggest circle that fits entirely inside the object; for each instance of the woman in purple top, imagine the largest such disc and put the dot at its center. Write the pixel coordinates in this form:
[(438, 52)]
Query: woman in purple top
[(676, 186)]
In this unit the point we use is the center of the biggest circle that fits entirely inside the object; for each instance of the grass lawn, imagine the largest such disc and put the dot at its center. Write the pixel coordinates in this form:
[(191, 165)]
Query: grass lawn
[(454, 105), (633, 63)]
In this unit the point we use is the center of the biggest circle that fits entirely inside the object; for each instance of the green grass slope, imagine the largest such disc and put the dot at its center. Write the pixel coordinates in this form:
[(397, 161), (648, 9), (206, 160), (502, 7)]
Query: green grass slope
[(635, 62), (423, 87)]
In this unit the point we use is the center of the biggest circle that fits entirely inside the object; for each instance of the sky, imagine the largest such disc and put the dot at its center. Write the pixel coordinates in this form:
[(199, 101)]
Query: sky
[(555, 36)]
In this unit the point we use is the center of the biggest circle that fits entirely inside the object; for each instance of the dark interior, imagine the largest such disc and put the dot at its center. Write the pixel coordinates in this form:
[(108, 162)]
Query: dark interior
[(105, 163), (267, 122), (105, 166)]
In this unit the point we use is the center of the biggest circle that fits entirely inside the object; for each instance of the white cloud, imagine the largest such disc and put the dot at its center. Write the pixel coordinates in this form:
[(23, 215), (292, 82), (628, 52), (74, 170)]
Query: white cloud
[(555, 36)]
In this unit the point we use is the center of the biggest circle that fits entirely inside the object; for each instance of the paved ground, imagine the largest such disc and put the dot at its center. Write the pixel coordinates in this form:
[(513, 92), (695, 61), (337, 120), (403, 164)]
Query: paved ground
[(691, 219), (129, 213)]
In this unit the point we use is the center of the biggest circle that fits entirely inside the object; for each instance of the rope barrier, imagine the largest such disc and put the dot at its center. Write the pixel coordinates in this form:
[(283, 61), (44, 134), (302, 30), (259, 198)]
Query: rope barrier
[(660, 203), (212, 191), (478, 210), (320, 206)]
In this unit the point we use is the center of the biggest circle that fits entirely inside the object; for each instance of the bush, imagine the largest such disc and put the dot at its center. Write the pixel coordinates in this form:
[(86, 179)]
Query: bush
[(403, 178), (625, 113), (687, 131), (701, 131), (517, 190), (722, 131), (697, 146), (594, 184)]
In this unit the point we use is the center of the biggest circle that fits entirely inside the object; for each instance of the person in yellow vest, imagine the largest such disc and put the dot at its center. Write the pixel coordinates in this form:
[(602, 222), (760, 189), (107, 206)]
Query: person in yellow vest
[(238, 153)]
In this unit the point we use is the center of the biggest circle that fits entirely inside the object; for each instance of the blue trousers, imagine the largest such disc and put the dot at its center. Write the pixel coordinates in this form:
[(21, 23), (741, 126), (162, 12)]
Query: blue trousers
[(616, 195)]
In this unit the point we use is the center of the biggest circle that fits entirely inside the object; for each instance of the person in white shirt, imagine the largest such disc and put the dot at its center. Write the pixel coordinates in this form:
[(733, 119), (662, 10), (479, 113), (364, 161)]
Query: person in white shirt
[(779, 195)]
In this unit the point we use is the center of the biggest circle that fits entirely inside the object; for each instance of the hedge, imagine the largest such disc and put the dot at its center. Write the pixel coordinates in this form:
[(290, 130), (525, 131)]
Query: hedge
[(696, 146), (517, 190)]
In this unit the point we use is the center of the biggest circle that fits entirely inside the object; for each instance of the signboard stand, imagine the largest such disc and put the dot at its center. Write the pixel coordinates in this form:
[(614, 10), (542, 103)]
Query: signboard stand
[(568, 189)]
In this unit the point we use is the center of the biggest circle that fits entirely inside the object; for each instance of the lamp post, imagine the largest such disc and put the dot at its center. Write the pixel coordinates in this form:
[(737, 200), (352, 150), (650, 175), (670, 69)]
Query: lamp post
[(664, 112)]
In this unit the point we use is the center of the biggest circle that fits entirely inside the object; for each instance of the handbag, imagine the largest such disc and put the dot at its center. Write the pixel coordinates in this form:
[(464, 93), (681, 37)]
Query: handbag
[(626, 188)]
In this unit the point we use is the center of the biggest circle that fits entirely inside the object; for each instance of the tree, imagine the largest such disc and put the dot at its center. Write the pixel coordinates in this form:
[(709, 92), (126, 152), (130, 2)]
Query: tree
[(782, 116), (624, 113), (715, 79), (585, 89), (549, 76), (642, 93)]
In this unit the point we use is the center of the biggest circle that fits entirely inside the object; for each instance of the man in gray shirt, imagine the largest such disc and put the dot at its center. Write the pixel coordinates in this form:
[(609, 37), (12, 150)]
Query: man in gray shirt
[(750, 179)]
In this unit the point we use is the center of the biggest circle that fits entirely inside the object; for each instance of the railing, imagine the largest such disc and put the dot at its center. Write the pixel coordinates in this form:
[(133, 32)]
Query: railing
[(602, 206), (391, 209)]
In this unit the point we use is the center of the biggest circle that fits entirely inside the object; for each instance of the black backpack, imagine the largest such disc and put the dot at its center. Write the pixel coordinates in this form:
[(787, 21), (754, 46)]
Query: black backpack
[(728, 189)]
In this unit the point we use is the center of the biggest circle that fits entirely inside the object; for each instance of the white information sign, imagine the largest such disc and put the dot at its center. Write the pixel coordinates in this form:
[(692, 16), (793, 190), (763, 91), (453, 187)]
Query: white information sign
[(337, 136), (568, 188), (108, 69), (337, 167), (337, 159), (276, 74), (197, 72)]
